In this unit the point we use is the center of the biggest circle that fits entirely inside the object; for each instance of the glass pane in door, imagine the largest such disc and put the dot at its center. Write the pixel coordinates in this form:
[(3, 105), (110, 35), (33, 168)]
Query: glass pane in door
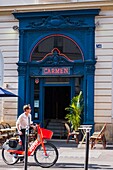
[(36, 99)]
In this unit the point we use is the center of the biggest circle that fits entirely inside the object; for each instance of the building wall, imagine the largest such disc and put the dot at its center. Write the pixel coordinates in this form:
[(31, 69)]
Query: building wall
[(9, 49), (103, 75), (29, 2), (1, 83), (9, 46)]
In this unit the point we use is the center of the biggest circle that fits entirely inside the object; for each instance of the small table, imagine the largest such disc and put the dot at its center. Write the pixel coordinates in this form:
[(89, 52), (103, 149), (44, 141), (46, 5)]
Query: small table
[(84, 129)]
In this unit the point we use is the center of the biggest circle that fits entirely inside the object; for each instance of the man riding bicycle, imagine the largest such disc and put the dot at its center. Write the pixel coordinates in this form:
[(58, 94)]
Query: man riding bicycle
[(23, 122)]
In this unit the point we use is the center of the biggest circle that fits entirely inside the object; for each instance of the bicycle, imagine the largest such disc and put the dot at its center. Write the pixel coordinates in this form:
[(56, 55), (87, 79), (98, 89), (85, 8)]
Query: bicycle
[(45, 153)]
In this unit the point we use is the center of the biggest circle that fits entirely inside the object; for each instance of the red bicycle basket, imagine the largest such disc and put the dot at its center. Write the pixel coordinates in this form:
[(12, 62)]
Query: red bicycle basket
[(45, 133)]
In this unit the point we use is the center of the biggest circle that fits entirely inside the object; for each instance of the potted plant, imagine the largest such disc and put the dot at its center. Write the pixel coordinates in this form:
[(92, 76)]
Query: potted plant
[(75, 110)]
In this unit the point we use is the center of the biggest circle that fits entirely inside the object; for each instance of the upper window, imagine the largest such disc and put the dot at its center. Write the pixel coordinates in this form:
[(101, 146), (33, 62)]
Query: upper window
[(63, 43)]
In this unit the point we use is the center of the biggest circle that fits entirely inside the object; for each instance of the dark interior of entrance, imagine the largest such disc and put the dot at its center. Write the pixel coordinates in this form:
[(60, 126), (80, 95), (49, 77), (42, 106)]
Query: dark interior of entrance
[(57, 98)]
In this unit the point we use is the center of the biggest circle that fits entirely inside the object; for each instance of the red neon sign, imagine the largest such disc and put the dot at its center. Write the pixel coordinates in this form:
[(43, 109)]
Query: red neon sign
[(55, 70)]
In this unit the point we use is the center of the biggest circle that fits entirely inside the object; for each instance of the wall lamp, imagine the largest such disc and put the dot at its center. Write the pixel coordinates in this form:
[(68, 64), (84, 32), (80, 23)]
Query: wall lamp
[(15, 28)]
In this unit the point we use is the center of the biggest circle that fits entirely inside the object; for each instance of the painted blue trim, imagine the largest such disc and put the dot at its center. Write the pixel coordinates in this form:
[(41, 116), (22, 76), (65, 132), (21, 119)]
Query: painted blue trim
[(27, 98), (84, 12), (90, 100), (21, 86), (21, 94), (41, 103), (30, 95), (79, 25), (77, 20)]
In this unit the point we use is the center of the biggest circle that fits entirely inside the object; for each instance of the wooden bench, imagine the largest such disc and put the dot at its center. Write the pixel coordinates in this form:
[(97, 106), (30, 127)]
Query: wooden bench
[(99, 137), (6, 132)]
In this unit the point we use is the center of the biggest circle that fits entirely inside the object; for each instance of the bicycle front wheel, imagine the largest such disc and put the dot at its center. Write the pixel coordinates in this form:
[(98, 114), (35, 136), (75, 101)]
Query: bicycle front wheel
[(46, 160), (9, 158)]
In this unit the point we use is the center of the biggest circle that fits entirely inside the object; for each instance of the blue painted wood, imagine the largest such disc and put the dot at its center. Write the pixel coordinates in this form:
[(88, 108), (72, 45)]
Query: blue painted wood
[(90, 106), (79, 26), (31, 96), (27, 97), (77, 23), (21, 86), (21, 45), (41, 104)]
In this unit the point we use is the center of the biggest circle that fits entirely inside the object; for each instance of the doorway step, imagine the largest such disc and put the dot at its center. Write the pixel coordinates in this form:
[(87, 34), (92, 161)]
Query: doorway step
[(58, 128)]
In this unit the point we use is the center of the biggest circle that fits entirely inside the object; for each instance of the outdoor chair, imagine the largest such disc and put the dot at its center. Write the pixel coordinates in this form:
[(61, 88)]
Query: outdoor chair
[(3, 135), (73, 134), (7, 125), (99, 137)]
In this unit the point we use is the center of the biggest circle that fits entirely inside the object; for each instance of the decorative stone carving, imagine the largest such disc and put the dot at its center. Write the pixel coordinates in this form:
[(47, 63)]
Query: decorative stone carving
[(22, 68), (35, 72), (56, 58), (57, 22), (90, 68)]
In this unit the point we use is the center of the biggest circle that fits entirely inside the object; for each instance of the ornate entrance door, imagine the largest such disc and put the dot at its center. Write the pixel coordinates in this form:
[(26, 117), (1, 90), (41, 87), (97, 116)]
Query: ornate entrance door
[(57, 44)]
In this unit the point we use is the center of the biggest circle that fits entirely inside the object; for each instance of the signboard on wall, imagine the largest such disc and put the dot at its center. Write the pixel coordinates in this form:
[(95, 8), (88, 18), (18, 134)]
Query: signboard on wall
[(55, 70)]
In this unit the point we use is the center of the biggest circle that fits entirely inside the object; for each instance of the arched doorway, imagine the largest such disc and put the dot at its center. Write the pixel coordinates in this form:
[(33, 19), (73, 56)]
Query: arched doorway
[(56, 55), (54, 89)]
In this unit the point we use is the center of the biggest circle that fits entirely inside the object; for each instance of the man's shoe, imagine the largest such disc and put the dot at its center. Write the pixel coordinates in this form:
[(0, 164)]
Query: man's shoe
[(22, 160)]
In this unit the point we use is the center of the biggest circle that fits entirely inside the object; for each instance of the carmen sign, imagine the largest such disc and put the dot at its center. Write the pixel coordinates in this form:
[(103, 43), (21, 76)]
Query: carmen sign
[(55, 70)]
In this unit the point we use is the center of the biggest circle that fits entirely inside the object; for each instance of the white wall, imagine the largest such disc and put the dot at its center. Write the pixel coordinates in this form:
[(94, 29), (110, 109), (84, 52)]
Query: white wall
[(104, 72), (9, 46), (1, 69), (1, 83), (27, 2)]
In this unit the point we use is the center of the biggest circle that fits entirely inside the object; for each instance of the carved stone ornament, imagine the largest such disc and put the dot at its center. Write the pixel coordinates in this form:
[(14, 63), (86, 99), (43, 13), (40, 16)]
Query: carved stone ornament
[(56, 58), (22, 69), (90, 68), (57, 22), (35, 72)]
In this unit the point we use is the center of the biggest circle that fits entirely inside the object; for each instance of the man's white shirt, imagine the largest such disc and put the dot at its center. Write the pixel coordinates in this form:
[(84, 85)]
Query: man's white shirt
[(23, 121)]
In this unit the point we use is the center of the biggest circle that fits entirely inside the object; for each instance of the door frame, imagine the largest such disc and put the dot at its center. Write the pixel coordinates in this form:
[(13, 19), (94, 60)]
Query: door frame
[(71, 84), (42, 86)]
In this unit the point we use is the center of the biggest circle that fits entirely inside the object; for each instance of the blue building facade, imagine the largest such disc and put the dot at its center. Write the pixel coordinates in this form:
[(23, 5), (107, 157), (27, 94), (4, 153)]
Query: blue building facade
[(56, 61)]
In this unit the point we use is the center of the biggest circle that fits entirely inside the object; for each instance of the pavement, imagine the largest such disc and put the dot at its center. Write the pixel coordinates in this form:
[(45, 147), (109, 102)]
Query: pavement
[(71, 157)]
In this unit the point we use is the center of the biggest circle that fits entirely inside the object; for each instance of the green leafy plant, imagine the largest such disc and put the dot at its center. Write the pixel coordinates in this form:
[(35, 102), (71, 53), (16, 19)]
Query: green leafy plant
[(75, 109)]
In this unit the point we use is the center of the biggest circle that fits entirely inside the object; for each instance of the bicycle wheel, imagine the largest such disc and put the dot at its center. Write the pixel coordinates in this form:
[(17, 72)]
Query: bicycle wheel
[(48, 160), (9, 158)]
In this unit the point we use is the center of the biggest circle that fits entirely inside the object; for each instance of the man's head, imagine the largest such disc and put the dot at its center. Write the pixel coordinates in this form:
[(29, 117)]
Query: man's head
[(27, 108)]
